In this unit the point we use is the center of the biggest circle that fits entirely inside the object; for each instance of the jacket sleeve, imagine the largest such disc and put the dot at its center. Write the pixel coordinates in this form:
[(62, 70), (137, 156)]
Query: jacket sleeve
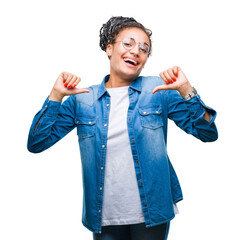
[(50, 124), (189, 116)]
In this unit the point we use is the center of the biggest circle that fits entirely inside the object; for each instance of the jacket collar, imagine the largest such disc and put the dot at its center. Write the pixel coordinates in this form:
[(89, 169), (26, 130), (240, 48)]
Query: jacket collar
[(136, 85)]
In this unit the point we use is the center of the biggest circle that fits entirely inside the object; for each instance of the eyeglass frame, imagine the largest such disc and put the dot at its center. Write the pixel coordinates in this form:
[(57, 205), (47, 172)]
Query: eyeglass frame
[(139, 45)]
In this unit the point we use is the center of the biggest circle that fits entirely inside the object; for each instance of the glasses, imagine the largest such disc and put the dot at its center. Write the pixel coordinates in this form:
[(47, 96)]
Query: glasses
[(129, 43)]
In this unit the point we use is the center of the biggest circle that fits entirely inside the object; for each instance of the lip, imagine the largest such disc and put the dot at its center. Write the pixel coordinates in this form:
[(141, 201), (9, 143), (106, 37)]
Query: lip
[(133, 59)]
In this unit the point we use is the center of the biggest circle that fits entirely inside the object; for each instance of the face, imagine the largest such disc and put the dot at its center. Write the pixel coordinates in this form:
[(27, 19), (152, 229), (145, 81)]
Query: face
[(127, 63)]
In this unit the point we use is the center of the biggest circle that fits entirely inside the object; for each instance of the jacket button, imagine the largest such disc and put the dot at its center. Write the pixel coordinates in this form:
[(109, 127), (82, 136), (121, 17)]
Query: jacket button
[(136, 161), (132, 140), (129, 118), (99, 211), (145, 204), (140, 182), (101, 168), (132, 99), (103, 146), (100, 188), (105, 125), (107, 104)]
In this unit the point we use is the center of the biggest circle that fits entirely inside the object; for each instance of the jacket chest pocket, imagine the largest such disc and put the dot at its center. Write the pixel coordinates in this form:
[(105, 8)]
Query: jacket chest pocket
[(151, 117), (85, 126)]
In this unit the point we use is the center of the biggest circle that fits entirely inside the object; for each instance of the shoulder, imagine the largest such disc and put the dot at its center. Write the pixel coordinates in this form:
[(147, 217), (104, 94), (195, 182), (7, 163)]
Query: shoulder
[(148, 83), (151, 80), (88, 98)]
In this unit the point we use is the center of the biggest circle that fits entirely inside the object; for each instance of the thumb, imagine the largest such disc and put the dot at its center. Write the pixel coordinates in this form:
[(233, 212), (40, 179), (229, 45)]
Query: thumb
[(162, 87), (80, 90)]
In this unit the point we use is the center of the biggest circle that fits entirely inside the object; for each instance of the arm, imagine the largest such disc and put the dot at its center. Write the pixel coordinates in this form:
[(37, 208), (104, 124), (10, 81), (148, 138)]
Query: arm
[(193, 116), (189, 116), (51, 124), (55, 120)]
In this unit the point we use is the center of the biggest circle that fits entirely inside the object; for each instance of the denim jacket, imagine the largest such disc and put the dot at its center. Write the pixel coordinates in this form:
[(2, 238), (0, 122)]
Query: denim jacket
[(147, 121)]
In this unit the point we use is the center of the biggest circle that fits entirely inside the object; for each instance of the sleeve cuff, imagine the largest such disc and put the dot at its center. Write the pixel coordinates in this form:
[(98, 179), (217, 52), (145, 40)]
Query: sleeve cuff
[(50, 107), (197, 109)]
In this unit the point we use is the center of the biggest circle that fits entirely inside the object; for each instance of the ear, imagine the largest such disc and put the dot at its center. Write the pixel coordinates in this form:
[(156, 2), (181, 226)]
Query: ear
[(109, 50)]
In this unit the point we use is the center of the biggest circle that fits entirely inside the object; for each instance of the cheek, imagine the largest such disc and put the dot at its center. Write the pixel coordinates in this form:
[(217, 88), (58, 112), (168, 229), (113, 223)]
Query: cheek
[(115, 63), (144, 61)]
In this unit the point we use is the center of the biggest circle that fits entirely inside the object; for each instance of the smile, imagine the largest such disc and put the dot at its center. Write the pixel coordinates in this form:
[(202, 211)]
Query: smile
[(130, 61)]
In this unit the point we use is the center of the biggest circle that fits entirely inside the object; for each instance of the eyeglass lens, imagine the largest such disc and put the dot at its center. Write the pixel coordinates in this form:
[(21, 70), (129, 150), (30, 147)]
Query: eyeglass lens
[(129, 43)]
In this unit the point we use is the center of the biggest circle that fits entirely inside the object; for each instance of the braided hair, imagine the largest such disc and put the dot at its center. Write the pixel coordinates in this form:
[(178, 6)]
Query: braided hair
[(115, 25)]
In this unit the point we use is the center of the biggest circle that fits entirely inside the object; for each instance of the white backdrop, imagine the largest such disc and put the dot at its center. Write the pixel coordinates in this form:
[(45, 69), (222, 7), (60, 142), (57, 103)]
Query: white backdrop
[(41, 194)]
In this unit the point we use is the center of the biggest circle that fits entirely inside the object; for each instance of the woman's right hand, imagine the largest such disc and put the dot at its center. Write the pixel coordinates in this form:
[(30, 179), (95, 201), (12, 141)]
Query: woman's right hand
[(65, 85)]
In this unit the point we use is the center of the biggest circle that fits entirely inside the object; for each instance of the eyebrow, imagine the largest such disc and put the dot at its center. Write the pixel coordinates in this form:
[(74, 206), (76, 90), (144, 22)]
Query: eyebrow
[(139, 42)]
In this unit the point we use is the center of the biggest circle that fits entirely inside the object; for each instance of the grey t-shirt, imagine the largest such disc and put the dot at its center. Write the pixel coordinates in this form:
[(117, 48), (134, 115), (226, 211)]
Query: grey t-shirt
[(121, 199)]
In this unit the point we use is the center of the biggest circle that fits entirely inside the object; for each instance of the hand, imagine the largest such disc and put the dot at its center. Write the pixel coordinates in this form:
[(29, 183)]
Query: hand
[(174, 79), (65, 85)]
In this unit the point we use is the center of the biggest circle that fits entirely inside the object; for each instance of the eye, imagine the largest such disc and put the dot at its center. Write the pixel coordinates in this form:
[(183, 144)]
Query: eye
[(144, 50), (127, 44)]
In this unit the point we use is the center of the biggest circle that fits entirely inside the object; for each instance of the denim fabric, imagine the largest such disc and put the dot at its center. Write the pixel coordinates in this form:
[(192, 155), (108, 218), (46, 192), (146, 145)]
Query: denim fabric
[(133, 232), (147, 122)]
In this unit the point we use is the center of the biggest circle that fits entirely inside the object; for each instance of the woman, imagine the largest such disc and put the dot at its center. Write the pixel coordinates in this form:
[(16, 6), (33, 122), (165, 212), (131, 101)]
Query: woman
[(130, 186)]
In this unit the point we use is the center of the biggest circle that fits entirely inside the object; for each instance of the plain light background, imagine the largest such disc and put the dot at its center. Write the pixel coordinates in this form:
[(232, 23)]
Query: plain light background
[(41, 194)]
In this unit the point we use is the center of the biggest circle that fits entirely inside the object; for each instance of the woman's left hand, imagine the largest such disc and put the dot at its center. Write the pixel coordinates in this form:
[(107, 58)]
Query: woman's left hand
[(174, 79)]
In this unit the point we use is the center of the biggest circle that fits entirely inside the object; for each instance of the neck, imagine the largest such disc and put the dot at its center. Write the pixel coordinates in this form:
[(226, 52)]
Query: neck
[(113, 83), (117, 81)]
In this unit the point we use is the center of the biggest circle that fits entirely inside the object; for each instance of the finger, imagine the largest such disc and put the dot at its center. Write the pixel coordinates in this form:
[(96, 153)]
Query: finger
[(69, 77), (163, 77), (162, 87), (157, 89), (60, 78), (176, 70), (73, 80), (168, 77), (171, 74), (80, 90), (76, 82), (64, 76)]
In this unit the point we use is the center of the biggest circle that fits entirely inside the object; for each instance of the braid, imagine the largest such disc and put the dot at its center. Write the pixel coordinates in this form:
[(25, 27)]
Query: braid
[(112, 28)]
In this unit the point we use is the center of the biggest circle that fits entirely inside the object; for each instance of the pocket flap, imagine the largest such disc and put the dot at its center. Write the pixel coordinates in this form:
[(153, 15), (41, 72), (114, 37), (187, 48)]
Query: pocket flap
[(144, 111), (85, 120)]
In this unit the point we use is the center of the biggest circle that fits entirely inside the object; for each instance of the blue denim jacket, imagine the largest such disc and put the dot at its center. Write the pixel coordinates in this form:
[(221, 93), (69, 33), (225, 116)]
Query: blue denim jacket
[(147, 122)]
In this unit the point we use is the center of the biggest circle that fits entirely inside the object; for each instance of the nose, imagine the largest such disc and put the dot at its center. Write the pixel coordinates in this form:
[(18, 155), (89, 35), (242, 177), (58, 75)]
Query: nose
[(135, 50)]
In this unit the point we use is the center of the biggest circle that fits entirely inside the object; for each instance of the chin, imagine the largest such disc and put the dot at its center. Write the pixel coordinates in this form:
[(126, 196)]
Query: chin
[(131, 74), (125, 72)]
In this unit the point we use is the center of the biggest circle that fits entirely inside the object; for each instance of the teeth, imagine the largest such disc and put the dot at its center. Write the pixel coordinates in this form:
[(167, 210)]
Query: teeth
[(130, 60)]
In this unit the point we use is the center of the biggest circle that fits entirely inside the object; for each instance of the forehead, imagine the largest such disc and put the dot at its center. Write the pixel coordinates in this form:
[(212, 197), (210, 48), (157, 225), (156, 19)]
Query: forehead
[(138, 34)]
